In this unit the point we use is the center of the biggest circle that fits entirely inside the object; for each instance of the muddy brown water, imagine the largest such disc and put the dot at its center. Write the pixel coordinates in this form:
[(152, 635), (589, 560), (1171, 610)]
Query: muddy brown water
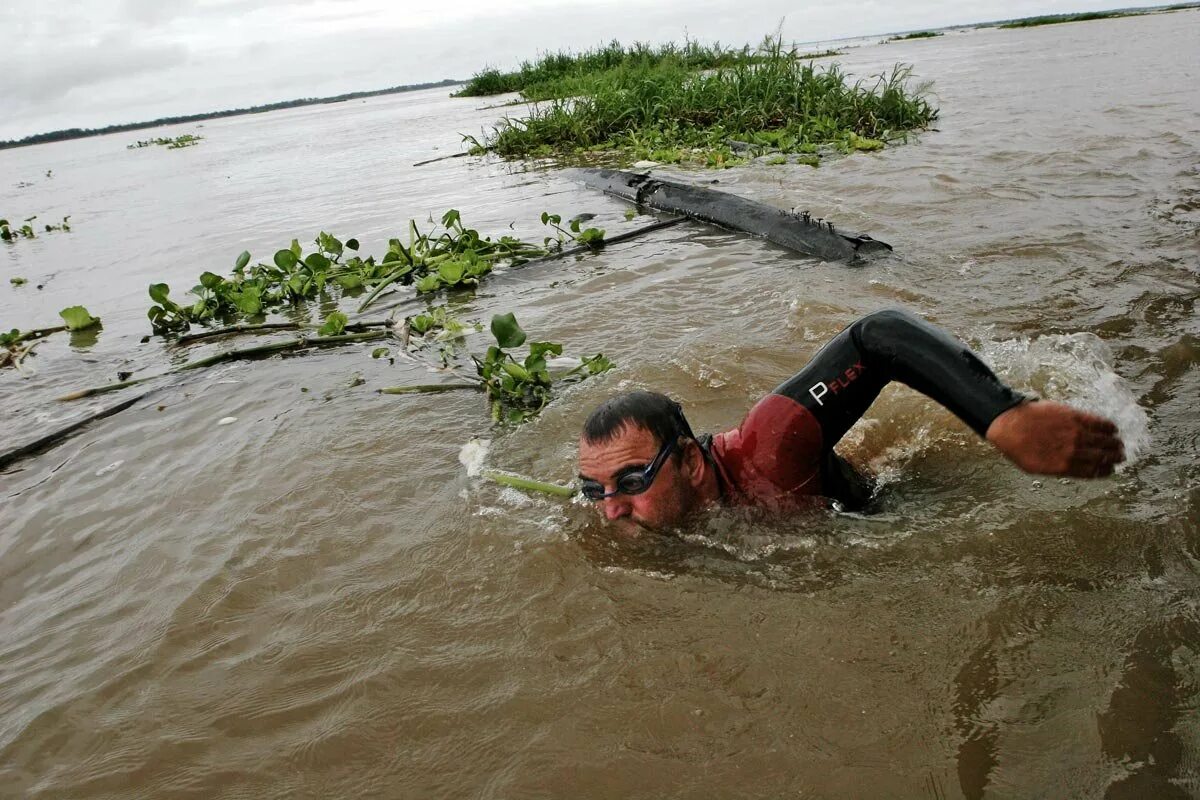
[(315, 600)]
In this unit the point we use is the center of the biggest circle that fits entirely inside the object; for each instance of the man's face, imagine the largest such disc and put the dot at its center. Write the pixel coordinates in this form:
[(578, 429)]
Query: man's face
[(668, 500)]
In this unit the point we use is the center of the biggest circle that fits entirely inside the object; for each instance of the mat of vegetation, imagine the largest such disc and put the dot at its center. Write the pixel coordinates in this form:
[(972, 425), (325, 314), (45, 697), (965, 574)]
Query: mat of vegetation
[(667, 112), (532, 76), (1055, 19), (917, 35)]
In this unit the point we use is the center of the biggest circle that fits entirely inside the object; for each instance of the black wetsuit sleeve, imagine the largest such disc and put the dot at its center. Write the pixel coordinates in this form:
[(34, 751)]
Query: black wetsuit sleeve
[(846, 376)]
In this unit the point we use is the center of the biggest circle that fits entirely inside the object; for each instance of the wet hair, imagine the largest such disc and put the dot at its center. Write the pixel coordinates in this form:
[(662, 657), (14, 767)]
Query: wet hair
[(655, 412)]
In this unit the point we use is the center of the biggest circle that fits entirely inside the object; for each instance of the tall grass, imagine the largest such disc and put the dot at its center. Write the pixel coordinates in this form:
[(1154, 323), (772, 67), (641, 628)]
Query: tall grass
[(553, 67), (769, 98)]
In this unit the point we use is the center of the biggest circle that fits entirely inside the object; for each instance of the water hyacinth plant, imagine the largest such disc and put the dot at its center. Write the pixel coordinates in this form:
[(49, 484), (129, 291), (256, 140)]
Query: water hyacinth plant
[(10, 232), (186, 140), (450, 257), (669, 112), (517, 389)]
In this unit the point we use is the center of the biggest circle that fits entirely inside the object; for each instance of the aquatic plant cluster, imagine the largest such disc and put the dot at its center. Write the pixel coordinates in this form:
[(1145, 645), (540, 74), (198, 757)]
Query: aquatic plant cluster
[(186, 140), (10, 232), (544, 76), (916, 35), (16, 344), (668, 112), (451, 256)]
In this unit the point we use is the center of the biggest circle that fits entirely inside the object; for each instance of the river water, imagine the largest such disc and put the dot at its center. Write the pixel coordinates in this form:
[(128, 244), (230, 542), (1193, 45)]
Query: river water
[(316, 600)]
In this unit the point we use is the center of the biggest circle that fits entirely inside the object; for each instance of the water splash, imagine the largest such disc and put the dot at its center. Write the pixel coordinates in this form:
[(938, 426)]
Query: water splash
[(1078, 369), (473, 455)]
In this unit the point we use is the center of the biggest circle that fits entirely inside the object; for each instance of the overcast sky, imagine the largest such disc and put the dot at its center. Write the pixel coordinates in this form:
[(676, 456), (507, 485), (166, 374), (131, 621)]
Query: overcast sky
[(90, 63)]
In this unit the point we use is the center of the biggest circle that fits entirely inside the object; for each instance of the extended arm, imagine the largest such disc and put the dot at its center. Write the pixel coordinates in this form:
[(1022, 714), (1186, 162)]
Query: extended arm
[(846, 376)]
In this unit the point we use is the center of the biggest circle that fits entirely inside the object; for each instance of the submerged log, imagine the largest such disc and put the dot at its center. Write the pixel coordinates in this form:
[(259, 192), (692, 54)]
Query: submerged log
[(799, 232)]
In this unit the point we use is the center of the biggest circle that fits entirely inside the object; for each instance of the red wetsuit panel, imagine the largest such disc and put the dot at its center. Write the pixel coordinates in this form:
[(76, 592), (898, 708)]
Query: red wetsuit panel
[(773, 458)]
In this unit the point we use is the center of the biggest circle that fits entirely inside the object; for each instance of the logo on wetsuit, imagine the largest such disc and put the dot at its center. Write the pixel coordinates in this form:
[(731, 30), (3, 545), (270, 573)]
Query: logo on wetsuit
[(843, 381)]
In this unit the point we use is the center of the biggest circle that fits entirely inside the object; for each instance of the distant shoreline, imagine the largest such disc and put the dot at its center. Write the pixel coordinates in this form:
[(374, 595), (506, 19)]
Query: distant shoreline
[(81, 133)]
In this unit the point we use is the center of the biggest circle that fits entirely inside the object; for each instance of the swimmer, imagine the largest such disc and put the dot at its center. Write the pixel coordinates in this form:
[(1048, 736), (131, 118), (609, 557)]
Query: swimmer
[(641, 464)]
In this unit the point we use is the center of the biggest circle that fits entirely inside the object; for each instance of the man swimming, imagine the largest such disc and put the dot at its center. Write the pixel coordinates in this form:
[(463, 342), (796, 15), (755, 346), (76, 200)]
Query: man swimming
[(641, 463)]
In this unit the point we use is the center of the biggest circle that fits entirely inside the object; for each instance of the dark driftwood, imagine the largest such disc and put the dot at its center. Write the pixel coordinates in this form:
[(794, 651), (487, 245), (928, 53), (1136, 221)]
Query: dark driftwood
[(799, 232)]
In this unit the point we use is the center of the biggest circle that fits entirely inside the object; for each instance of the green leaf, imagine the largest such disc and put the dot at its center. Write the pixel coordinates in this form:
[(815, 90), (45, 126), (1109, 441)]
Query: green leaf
[(285, 259), (516, 370), (428, 283), (352, 244), (318, 261), (334, 325), (210, 280), (506, 330), (541, 348), (592, 237), (451, 272), (18, 281), (249, 300), (378, 352), (242, 260), (450, 217), (77, 318), (159, 292), (297, 251)]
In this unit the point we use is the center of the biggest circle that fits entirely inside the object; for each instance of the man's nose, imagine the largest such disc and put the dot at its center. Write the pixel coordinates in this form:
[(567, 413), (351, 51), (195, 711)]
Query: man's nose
[(616, 507)]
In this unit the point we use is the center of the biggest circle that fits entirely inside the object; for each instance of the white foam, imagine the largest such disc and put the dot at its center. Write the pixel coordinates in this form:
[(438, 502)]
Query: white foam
[(1077, 369), (473, 455)]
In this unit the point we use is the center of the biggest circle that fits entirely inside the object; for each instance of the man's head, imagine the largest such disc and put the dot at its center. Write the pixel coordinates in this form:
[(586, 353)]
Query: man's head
[(638, 451)]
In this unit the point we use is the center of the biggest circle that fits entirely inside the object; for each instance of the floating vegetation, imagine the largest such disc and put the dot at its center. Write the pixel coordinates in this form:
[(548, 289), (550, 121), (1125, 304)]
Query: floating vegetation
[(516, 389), (9, 232), (1055, 19), (450, 257), (669, 113), (917, 35), (186, 140), (535, 78), (17, 344)]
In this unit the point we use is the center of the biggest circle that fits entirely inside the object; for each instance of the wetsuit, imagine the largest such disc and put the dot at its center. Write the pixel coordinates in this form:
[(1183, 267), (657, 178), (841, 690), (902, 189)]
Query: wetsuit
[(781, 456)]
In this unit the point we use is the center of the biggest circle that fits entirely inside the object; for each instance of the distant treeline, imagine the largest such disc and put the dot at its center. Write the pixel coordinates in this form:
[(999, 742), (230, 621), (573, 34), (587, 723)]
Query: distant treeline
[(79, 133)]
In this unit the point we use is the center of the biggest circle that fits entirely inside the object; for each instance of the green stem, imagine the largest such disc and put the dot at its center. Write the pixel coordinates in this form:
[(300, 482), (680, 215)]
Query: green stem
[(387, 281), (428, 388), (529, 484), (273, 326)]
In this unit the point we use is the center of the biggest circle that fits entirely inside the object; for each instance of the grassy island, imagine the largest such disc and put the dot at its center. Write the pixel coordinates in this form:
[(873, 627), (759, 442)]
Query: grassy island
[(917, 35), (666, 109)]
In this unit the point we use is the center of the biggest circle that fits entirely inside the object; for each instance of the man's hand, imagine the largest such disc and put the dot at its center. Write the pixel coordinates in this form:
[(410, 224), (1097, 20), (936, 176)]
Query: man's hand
[(1048, 438)]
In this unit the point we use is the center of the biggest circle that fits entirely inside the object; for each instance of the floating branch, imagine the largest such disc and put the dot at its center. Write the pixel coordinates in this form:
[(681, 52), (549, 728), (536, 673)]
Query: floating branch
[(233, 355), (38, 445), (274, 326), (440, 158)]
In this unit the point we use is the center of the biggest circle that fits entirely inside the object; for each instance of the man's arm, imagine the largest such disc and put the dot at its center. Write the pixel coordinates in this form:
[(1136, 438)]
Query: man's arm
[(846, 376)]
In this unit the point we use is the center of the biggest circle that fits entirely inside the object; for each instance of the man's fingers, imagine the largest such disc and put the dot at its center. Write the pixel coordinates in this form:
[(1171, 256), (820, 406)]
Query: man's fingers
[(1094, 462), (1099, 424), (1093, 440)]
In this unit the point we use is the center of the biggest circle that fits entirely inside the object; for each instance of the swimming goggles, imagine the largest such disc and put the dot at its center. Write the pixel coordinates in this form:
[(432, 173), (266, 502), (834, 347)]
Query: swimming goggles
[(633, 480)]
